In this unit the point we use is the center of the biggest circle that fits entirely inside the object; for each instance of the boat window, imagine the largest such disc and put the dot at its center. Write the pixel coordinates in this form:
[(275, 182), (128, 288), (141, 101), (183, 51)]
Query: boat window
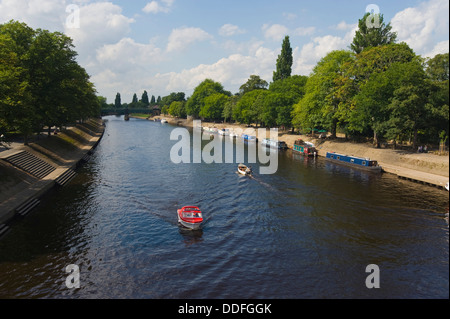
[(338, 157), (352, 160), (364, 163)]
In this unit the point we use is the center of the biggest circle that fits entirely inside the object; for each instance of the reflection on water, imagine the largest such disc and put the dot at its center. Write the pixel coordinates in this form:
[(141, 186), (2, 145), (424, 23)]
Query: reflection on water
[(308, 231)]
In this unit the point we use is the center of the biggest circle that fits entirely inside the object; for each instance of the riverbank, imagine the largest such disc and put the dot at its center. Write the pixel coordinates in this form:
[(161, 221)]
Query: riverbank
[(57, 156), (426, 168)]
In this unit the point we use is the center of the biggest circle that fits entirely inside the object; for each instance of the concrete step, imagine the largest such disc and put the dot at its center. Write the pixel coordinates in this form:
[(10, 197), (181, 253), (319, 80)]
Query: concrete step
[(31, 164), (3, 229), (27, 207), (66, 177)]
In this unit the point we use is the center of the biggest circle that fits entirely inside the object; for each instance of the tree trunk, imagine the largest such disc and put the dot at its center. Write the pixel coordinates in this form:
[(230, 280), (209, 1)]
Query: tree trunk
[(376, 142), (415, 139)]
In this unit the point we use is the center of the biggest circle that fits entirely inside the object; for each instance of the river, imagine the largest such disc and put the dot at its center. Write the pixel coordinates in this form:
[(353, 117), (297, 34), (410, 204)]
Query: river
[(307, 231)]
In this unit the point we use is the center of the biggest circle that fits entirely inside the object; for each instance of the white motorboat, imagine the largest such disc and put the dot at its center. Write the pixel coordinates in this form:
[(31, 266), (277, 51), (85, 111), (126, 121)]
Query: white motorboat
[(244, 169)]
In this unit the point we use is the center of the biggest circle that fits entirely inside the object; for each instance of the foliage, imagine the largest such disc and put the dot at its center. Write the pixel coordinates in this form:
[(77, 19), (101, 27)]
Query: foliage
[(284, 61), (253, 83), (41, 83), (196, 102), (372, 32)]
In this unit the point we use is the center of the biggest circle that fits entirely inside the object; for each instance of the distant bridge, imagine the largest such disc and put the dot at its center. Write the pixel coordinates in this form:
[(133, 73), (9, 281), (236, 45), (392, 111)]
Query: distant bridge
[(114, 111)]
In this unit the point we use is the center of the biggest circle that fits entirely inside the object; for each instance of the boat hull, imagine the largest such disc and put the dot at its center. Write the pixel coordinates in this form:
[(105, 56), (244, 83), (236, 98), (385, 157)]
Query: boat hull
[(354, 162), (242, 169), (193, 226), (190, 222)]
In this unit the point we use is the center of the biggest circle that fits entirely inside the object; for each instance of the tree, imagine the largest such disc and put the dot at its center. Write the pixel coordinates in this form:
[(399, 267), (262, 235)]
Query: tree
[(16, 109), (320, 106), (153, 100), (253, 83), (213, 106), (117, 101), (292, 90), (407, 107), (372, 32), (44, 83), (197, 100), (284, 61), (172, 97), (228, 108), (144, 98), (177, 109), (248, 109), (437, 68), (372, 88)]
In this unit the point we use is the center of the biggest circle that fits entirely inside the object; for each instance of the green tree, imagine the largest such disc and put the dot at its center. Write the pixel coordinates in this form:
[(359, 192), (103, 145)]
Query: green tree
[(197, 100), (177, 109), (372, 32), (44, 83), (372, 88), (437, 70), (144, 99), (16, 109), (284, 61), (321, 105), (248, 107), (291, 90), (213, 106), (135, 99), (227, 113), (407, 107), (253, 83), (117, 101), (153, 100)]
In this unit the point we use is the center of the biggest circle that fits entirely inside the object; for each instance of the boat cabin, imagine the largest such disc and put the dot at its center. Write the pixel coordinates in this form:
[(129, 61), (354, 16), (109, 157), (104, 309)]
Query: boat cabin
[(361, 161), (305, 148)]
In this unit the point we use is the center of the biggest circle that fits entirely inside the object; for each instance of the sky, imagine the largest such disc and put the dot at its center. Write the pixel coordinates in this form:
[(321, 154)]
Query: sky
[(165, 46)]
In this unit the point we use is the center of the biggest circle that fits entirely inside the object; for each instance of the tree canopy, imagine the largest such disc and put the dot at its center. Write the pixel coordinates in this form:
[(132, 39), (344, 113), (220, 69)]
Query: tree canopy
[(284, 61), (41, 84), (372, 32)]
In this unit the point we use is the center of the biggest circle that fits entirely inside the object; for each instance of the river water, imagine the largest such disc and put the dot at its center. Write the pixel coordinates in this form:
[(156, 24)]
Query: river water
[(307, 231)]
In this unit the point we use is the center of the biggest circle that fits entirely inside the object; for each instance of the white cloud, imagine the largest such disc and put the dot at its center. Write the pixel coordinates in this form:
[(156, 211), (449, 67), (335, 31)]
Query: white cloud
[(307, 57), (423, 26), (439, 48), (228, 30), (231, 71), (182, 37), (304, 31), (344, 26), (156, 7), (275, 32), (45, 14), (100, 23)]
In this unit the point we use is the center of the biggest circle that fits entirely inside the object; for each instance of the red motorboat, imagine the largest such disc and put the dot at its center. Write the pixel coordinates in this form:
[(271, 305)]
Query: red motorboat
[(190, 217)]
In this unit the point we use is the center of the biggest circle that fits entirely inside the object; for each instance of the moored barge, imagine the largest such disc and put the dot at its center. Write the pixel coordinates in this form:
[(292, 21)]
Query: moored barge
[(354, 161), (305, 148)]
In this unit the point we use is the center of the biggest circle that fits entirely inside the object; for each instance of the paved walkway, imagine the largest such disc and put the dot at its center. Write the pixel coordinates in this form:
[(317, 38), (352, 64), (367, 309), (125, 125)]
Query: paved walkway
[(414, 175)]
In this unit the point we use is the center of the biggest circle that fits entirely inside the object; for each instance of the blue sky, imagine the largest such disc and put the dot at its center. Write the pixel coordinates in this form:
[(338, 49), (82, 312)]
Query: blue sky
[(165, 46)]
